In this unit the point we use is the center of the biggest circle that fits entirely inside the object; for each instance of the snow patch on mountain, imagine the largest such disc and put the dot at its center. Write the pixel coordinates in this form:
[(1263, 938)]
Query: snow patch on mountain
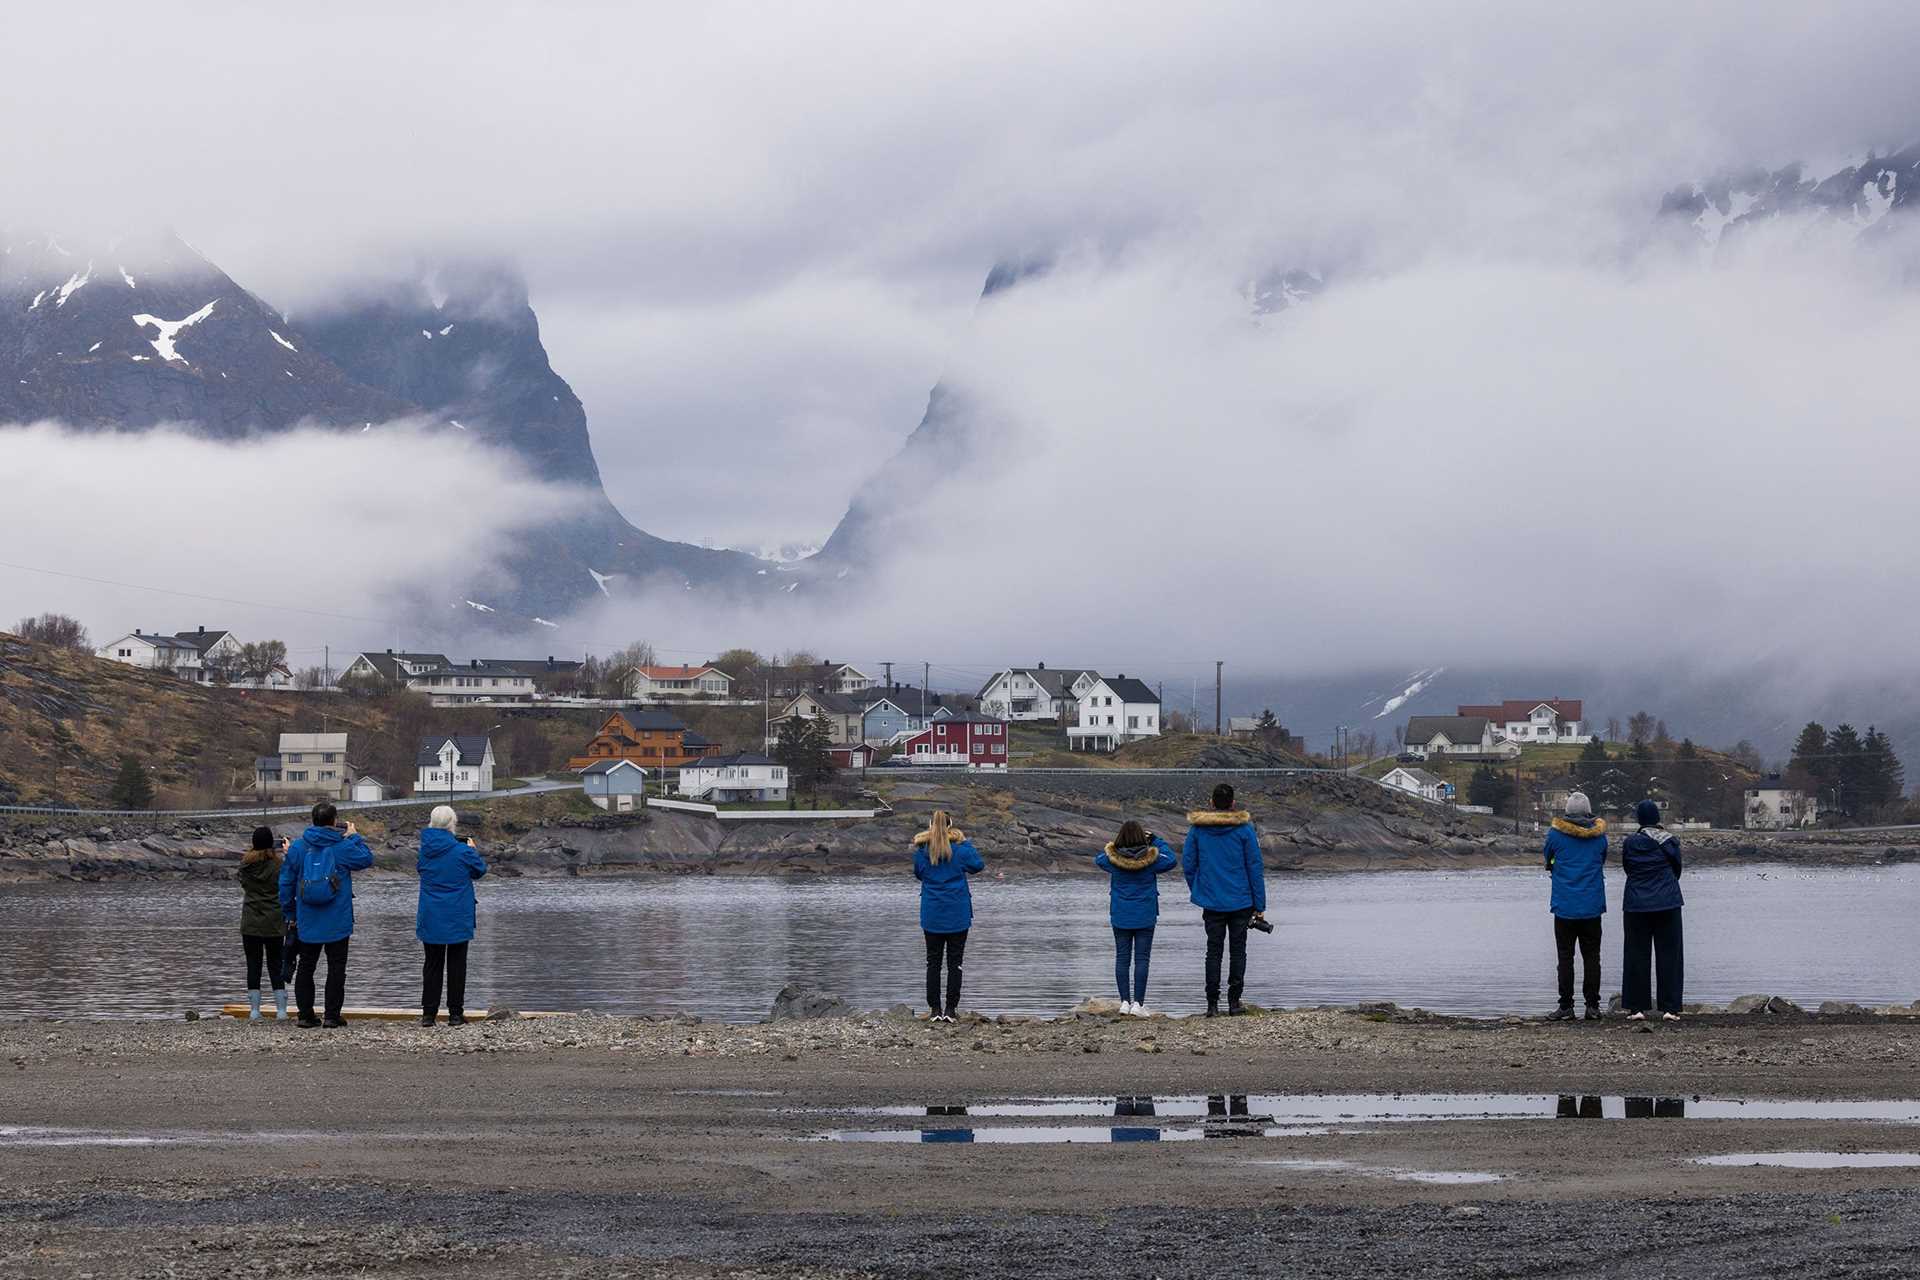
[(127, 278), (282, 341), (601, 580), (543, 622), (477, 607), (74, 284), (1418, 682), (170, 330)]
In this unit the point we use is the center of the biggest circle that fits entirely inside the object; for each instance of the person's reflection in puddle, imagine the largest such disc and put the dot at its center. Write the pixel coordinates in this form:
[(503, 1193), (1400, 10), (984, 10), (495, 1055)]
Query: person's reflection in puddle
[(1134, 1106), (1584, 1107), (1656, 1108), (946, 1135), (1221, 1104)]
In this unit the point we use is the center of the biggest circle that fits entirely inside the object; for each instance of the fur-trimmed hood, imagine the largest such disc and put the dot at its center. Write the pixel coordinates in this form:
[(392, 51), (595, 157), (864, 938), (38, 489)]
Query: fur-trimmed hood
[(954, 836), (1568, 827), (1219, 817), (1136, 857)]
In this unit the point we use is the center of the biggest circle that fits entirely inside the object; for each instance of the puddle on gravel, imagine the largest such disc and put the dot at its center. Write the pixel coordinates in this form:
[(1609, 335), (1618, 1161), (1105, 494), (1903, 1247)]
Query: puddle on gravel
[(1439, 1177), (31, 1136), (728, 1093), (1241, 1115), (1380, 1108), (1818, 1159)]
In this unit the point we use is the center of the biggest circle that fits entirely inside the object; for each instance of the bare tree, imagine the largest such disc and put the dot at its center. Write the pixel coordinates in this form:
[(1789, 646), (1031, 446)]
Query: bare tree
[(311, 678), (56, 629)]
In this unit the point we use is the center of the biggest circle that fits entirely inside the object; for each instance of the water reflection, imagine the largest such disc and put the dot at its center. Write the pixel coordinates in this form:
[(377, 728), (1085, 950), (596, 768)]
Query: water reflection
[(1593, 1107), (1038, 946)]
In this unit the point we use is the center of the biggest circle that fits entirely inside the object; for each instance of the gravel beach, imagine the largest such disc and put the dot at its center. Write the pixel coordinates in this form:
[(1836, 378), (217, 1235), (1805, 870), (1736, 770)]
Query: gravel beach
[(594, 1146)]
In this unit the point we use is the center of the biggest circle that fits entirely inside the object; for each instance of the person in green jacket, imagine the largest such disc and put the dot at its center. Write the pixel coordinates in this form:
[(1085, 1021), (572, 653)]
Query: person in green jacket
[(260, 924)]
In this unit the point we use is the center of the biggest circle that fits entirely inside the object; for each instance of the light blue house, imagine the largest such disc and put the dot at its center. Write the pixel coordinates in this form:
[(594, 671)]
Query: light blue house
[(613, 784), (891, 713)]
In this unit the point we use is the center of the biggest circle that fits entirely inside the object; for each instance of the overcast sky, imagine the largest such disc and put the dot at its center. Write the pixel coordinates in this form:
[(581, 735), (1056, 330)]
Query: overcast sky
[(756, 236)]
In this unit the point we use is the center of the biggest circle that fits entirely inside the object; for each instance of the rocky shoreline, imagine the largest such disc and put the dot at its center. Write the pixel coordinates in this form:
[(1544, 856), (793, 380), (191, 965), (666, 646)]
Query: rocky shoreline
[(1025, 826)]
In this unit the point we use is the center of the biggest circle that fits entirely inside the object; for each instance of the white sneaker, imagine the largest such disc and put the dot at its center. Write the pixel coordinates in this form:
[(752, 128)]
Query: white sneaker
[(1669, 1017), (1126, 1008), (1140, 1010), (1636, 1017)]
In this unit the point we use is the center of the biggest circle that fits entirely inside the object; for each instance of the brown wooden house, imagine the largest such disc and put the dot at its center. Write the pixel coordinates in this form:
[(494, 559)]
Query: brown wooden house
[(651, 739)]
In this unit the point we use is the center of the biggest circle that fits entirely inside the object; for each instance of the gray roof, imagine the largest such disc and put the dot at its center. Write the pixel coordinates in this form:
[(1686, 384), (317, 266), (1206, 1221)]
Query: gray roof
[(972, 717), (266, 764), (1460, 729), (475, 668), (534, 666), (387, 664), (472, 747), (161, 641), (202, 640), (838, 704), (1420, 776), (652, 720), (608, 766), (1128, 689)]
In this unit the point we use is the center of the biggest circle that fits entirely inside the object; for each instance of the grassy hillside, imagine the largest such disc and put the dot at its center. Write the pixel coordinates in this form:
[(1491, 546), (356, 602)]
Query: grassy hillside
[(66, 718), (1040, 747)]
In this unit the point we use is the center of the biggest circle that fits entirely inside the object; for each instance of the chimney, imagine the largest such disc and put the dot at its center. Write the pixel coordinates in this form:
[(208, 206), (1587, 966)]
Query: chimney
[(1041, 667), (202, 631), (389, 653), (136, 631)]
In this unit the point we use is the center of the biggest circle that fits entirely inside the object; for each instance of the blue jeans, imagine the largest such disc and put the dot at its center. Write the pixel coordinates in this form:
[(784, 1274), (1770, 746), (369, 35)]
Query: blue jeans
[(1132, 949)]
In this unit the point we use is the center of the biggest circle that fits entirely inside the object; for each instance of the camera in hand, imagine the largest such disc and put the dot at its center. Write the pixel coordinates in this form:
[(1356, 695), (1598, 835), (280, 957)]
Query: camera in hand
[(1261, 923)]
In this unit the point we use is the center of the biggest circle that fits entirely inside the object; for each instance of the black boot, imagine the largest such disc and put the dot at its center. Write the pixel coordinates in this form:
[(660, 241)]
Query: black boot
[(428, 1019), (1563, 1014), (1235, 1009), (1213, 1006), (456, 1019)]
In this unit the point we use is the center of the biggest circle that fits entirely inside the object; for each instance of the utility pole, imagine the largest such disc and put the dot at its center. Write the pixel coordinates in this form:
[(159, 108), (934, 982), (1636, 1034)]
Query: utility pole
[(1217, 723), (888, 678), (1516, 796), (926, 673)]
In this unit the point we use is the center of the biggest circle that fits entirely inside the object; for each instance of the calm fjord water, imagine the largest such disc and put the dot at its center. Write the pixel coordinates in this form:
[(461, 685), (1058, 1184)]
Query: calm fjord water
[(1472, 942)]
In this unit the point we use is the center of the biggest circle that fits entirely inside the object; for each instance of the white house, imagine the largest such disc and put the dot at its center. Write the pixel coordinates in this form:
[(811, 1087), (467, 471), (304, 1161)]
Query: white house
[(1533, 721), (616, 785), (1114, 710), (1420, 783), (453, 762), (729, 779), (646, 684), (153, 651), (214, 647), (1429, 736), (310, 766), (1772, 805), (1035, 693), (476, 682)]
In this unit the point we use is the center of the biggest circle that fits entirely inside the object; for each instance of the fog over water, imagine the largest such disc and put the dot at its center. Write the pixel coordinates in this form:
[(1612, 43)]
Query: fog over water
[(1478, 942)]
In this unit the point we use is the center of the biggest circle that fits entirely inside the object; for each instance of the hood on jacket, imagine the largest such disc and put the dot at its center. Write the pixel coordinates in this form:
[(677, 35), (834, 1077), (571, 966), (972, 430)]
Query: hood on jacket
[(1219, 818), (954, 836), (1659, 835), (436, 841), (1135, 857), (252, 856), (1580, 830), (322, 836)]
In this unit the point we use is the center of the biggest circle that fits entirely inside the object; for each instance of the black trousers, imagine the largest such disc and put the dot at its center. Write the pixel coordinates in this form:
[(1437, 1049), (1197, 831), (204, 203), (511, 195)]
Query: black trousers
[(1587, 934), (452, 958), (952, 948), (336, 977), (1227, 931), (289, 955), (267, 949), (1649, 935)]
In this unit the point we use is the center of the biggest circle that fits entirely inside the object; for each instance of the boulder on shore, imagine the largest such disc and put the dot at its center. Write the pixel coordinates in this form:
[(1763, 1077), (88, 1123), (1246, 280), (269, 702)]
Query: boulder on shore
[(797, 1001), (1768, 1006)]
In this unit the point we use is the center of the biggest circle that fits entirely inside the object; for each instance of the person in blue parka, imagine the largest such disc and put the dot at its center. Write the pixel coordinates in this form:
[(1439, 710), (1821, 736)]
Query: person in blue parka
[(943, 858), (1227, 880), (1134, 863), (1576, 855), (448, 866), (1650, 917), (317, 875)]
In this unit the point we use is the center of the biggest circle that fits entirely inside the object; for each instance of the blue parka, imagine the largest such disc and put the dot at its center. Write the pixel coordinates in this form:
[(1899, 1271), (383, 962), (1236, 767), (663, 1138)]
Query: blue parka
[(1221, 860), (327, 921), (1133, 882), (1576, 853), (946, 901), (448, 867), (1651, 856)]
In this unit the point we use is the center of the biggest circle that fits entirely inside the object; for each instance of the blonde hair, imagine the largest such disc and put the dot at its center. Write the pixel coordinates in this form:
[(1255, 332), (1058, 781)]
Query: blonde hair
[(939, 842), (443, 817)]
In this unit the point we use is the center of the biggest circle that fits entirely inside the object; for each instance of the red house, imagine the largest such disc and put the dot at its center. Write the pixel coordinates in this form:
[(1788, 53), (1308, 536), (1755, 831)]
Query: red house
[(970, 740), (857, 756)]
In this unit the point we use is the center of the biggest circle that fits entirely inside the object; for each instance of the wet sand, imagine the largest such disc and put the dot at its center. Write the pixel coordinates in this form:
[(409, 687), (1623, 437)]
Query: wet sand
[(600, 1146)]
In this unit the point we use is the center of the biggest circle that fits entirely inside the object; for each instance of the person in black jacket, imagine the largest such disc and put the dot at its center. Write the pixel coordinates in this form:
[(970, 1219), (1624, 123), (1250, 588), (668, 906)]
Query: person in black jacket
[(1650, 917)]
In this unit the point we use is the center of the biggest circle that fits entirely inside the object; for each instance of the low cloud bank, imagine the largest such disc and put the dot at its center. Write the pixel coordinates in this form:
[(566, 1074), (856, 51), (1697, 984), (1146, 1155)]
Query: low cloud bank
[(312, 536)]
